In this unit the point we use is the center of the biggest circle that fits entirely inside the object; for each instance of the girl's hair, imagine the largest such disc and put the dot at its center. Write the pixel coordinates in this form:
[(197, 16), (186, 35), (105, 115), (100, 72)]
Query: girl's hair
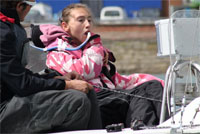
[(67, 10)]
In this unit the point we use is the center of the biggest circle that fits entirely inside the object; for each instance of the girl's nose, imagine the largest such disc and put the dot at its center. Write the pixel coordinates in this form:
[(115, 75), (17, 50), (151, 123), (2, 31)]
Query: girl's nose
[(88, 23)]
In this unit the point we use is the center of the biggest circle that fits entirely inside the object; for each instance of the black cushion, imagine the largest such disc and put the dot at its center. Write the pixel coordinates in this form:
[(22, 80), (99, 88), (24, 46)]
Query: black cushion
[(35, 36)]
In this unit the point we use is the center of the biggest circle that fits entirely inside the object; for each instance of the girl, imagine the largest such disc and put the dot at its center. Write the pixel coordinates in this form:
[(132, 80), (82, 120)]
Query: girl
[(93, 62)]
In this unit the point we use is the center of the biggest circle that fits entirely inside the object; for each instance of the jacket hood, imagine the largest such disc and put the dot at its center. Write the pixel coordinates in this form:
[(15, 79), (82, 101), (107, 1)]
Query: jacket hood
[(50, 33)]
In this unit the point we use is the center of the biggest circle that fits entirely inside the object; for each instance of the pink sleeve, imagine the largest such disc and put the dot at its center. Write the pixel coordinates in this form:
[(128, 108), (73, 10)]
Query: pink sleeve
[(88, 64)]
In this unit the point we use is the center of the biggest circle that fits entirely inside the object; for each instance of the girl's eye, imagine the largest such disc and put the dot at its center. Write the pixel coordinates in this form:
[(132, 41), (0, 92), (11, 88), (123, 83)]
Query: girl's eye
[(81, 20), (89, 20)]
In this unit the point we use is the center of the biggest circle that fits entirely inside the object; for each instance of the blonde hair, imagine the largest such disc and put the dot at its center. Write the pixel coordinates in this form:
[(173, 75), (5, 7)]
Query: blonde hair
[(67, 10)]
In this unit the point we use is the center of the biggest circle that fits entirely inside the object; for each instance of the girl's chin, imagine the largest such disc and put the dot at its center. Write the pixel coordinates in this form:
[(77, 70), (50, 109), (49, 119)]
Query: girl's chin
[(84, 38), (81, 39)]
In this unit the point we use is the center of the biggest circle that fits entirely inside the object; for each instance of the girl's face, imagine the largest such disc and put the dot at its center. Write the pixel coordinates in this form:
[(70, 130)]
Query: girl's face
[(79, 24)]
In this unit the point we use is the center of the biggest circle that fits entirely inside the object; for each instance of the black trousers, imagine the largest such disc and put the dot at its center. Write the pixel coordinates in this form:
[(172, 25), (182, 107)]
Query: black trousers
[(50, 111), (120, 108)]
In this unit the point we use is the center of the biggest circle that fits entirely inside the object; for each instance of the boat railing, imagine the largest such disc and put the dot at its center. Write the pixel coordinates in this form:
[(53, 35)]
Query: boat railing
[(178, 38)]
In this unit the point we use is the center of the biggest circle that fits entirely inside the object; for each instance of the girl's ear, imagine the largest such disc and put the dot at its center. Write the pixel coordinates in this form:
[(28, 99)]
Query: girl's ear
[(65, 26)]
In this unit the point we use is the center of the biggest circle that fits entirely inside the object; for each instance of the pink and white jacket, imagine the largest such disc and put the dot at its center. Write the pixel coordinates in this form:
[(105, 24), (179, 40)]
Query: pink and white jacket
[(87, 61)]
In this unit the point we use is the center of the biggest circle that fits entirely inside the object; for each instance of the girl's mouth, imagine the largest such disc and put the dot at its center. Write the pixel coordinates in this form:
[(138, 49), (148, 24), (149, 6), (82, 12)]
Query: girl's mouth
[(86, 33)]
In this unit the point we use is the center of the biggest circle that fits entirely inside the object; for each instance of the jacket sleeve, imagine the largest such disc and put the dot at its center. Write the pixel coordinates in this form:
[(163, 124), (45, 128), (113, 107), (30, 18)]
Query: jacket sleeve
[(18, 79), (89, 64)]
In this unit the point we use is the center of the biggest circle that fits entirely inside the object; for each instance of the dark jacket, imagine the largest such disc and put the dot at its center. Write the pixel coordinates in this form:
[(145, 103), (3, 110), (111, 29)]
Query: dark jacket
[(15, 79)]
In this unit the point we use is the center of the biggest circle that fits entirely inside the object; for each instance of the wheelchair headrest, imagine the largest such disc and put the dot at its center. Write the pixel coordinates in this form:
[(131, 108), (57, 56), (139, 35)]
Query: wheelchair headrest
[(35, 36)]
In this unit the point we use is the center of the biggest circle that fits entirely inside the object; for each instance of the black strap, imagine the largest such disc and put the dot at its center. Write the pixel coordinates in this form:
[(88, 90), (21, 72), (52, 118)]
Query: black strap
[(108, 73)]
